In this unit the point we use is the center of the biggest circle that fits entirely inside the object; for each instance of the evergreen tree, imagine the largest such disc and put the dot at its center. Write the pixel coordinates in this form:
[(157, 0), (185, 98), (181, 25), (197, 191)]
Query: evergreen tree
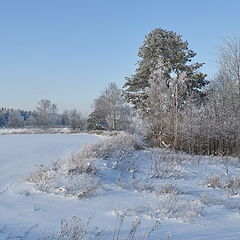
[(169, 48), (4, 115), (96, 121)]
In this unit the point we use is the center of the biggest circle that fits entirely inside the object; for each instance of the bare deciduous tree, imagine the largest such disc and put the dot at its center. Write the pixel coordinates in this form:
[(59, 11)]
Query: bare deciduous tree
[(110, 110), (15, 119), (75, 119), (46, 113)]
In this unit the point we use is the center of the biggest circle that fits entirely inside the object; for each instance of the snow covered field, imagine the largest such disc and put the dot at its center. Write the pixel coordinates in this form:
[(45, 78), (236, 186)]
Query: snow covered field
[(191, 197), (6, 131), (18, 156)]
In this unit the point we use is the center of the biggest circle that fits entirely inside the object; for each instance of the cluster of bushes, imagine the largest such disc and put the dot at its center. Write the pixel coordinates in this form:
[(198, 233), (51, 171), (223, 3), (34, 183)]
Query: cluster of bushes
[(230, 184), (59, 180), (78, 176)]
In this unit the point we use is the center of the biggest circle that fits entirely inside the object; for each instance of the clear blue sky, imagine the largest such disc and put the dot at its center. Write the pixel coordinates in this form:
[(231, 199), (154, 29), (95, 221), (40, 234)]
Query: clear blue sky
[(68, 51)]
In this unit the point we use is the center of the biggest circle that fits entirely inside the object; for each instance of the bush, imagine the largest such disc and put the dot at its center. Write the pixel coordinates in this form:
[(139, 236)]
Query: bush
[(168, 189), (233, 185), (119, 147), (77, 164), (214, 181), (43, 175), (60, 181), (76, 229), (77, 177), (81, 186)]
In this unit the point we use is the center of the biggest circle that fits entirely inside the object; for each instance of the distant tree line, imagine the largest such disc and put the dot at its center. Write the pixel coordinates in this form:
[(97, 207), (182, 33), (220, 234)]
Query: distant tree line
[(45, 115), (110, 113)]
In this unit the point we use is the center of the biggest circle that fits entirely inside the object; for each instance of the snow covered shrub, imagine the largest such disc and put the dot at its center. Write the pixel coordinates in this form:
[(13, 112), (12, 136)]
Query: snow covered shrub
[(165, 165), (77, 229), (233, 185), (167, 189), (214, 181), (57, 180), (119, 146), (105, 133), (41, 177), (39, 174), (176, 207), (81, 186), (77, 164)]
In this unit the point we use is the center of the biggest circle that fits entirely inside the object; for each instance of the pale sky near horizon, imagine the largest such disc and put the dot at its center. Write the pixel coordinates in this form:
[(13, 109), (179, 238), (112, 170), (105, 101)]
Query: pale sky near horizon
[(68, 51)]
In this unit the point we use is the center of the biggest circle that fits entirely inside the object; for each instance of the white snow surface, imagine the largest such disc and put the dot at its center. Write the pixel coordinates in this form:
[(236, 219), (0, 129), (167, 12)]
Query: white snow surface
[(4, 131), (35, 214)]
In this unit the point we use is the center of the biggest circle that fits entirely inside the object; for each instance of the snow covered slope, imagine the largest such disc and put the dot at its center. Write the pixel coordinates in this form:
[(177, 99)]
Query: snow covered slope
[(191, 197)]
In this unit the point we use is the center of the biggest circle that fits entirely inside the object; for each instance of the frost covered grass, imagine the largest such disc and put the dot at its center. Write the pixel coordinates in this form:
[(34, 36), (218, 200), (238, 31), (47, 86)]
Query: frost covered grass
[(166, 165), (118, 146), (148, 186), (178, 207), (75, 228), (136, 184)]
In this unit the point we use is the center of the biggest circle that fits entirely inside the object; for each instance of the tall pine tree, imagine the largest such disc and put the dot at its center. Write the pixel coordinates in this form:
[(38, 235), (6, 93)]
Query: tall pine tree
[(169, 48)]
